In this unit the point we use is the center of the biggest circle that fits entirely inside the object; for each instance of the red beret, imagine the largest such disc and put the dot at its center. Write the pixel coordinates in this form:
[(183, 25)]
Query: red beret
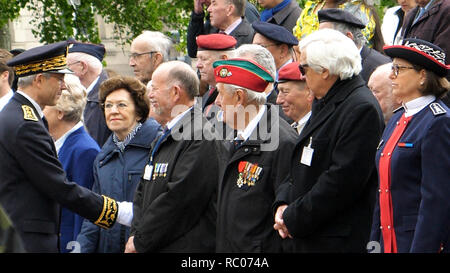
[(290, 72), (216, 42), (242, 72)]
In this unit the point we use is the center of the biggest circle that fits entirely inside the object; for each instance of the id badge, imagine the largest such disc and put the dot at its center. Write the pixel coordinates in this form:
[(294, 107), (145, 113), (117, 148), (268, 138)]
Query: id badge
[(307, 154), (148, 172)]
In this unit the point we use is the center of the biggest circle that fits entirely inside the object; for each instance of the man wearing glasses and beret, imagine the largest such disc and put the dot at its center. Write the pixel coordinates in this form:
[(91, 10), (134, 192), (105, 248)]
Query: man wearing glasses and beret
[(32, 181), (85, 60)]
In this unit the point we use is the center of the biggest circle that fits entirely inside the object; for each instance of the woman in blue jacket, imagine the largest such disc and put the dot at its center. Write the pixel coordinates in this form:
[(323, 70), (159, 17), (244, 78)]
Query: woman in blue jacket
[(412, 212), (119, 165), (76, 151)]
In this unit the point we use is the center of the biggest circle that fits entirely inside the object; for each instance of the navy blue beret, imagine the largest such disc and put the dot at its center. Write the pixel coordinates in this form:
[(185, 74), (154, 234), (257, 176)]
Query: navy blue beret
[(339, 16), (46, 58), (96, 50), (275, 32)]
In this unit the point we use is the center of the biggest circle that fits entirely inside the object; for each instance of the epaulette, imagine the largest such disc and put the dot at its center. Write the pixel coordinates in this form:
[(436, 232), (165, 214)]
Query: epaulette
[(28, 113), (401, 107), (437, 109)]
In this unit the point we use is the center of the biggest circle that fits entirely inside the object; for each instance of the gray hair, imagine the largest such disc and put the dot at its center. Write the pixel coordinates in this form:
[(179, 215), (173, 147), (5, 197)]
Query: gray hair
[(258, 98), (330, 49), (259, 54), (358, 37), (158, 41), (28, 80)]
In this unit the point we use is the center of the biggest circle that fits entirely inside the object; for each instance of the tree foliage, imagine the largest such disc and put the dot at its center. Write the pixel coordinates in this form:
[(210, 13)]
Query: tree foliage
[(56, 20)]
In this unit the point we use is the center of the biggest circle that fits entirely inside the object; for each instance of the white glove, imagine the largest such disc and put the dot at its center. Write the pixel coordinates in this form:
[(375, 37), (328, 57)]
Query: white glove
[(125, 215)]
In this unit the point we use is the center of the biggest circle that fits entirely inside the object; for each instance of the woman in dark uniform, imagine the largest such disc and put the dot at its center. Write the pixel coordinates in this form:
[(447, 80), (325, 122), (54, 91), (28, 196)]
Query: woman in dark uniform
[(412, 212)]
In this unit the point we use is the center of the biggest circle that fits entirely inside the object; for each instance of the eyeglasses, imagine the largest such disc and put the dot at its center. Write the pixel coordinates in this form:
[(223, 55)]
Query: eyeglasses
[(396, 68), (302, 68), (73, 63), (135, 55), (119, 106)]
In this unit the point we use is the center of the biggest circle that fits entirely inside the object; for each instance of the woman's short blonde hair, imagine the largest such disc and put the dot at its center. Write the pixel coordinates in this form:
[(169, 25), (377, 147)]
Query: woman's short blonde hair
[(73, 99)]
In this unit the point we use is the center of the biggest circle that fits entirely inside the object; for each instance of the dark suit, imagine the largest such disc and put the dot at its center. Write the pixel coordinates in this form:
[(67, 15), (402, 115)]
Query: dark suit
[(419, 186), (433, 26), (199, 25), (371, 59), (243, 33), (174, 211), (287, 17), (94, 119), (33, 182), (331, 201)]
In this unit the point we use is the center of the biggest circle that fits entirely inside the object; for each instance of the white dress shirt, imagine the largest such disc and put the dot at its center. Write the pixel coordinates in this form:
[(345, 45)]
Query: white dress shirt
[(5, 99), (413, 107)]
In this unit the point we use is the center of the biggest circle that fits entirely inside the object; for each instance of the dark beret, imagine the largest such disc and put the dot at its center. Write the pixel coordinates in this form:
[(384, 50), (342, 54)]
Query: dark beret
[(339, 16), (46, 58), (275, 32), (290, 72), (215, 41), (96, 50), (420, 52)]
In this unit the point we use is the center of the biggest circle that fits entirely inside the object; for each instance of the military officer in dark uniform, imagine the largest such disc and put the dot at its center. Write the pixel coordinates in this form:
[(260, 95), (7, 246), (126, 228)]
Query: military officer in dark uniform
[(32, 181), (254, 163)]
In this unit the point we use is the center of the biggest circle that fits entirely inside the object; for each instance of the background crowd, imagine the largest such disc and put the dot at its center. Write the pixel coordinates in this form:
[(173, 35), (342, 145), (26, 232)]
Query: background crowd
[(322, 128)]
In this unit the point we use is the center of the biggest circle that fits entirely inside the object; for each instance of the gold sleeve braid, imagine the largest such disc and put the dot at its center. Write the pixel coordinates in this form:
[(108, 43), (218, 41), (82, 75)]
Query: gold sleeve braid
[(108, 216)]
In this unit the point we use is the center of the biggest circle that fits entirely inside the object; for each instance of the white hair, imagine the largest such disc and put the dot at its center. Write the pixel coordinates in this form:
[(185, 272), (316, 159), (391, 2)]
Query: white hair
[(330, 49), (258, 54), (94, 64), (253, 96), (158, 41), (73, 99)]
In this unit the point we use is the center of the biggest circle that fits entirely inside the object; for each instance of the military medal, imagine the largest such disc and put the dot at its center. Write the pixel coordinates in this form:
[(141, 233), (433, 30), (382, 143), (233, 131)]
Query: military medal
[(164, 169), (247, 173), (241, 168), (253, 176)]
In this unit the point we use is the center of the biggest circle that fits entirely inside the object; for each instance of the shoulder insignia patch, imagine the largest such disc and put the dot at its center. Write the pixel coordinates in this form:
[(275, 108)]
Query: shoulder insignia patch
[(28, 113), (437, 109)]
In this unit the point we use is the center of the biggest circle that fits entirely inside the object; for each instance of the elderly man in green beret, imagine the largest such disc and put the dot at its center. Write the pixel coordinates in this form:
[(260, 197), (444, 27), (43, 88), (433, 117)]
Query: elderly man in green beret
[(253, 162)]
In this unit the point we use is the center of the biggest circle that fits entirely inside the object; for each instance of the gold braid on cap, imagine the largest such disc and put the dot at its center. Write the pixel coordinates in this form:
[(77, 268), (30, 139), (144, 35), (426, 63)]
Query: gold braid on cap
[(54, 63), (109, 212)]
